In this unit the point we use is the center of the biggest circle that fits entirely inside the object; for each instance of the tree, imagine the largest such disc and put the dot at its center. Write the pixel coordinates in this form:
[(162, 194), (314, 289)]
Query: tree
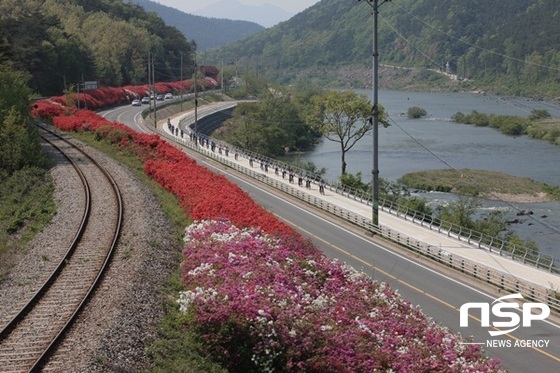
[(269, 126), (343, 117), (459, 213), (14, 93), (19, 142)]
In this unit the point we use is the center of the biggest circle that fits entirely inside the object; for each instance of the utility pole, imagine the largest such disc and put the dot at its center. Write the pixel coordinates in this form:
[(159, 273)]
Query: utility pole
[(154, 90), (181, 90), (195, 101), (149, 78), (84, 92), (375, 4)]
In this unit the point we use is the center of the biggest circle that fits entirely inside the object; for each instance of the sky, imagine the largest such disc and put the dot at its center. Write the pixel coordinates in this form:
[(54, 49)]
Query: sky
[(189, 6)]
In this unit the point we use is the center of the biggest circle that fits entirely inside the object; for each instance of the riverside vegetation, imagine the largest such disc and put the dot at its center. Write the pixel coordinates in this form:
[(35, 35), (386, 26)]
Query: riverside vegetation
[(539, 125), (484, 184)]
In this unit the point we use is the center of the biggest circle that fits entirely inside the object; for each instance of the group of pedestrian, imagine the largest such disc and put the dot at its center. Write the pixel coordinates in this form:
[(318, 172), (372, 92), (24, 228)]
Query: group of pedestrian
[(175, 130), (264, 163)]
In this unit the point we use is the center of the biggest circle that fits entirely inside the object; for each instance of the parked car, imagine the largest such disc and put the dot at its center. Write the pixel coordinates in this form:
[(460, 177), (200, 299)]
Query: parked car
[(168, 96), (146, 100), (136, 102)]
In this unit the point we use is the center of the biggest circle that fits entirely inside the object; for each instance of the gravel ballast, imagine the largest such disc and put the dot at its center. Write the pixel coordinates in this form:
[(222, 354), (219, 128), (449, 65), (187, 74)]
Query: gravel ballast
[(112, 332)]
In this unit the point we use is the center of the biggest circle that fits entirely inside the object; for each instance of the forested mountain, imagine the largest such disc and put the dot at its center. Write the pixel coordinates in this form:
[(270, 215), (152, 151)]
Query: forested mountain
[(63, 42), (510, 45), (207, 33)]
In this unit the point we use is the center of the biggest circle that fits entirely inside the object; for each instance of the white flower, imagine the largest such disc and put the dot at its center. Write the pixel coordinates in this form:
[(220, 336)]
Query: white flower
[(186, 298), (202, 268)]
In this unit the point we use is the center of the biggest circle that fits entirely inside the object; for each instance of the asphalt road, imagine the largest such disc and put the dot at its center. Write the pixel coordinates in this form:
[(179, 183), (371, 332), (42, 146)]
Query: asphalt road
[(437, 291)]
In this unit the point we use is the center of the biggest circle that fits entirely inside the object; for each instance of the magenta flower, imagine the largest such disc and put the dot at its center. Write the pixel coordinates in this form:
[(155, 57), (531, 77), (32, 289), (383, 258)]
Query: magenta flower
[(265, 304)]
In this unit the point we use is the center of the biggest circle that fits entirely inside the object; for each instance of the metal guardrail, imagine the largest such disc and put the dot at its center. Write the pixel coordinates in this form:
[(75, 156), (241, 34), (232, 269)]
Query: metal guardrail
[(483, 241), (502, 280), (490, 243)]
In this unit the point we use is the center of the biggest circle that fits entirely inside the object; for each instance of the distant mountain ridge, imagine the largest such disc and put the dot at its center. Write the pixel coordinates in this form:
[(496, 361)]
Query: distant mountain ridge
[(207, 33), (266, 15), (510, 46)]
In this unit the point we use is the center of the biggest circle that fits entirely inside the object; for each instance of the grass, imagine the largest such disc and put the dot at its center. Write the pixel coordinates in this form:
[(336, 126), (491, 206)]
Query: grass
[(178, 349), (27, 206), (478, 183)]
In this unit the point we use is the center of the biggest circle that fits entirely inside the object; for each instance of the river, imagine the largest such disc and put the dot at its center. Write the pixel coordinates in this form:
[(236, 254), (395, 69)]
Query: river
[(434, 142)]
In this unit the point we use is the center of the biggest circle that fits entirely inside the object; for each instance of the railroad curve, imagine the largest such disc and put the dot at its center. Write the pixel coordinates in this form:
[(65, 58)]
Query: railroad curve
[(29, 339)]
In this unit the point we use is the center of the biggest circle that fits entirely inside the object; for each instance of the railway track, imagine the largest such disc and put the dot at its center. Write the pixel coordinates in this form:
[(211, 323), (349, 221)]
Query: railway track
[(31, 337)]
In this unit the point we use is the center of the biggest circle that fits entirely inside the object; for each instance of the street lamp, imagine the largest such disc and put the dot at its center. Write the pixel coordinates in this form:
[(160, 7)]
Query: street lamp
[(375, 4)]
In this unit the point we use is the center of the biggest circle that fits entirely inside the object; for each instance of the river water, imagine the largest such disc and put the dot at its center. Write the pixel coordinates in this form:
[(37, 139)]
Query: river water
[(434, 142)]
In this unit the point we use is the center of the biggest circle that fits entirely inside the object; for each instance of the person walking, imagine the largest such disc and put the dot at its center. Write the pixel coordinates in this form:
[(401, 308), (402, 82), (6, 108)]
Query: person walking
[(322, 187)]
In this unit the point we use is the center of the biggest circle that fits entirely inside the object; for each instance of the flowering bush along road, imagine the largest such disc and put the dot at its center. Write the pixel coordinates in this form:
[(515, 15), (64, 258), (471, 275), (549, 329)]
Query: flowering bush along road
[(261, 297)]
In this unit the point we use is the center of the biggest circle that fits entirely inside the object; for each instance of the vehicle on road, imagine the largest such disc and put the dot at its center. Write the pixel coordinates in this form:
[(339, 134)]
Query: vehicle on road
[(168, 96), (146, 100), (159, 97), (136, 102)]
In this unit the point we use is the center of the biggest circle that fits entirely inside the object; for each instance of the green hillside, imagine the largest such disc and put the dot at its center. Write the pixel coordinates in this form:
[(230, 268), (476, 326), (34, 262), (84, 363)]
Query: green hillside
[(502, 46), (62, 42), (507, 46)]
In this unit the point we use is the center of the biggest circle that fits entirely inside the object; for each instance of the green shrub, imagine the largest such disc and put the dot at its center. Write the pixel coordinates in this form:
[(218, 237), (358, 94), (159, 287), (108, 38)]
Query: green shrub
[(478, 119), (459, 117), (539, 114), (416, 112)]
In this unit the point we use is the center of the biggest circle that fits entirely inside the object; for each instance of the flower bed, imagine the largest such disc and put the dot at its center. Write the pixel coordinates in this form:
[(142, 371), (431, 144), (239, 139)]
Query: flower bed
[(202, 194), (264, 304), (110, 96)]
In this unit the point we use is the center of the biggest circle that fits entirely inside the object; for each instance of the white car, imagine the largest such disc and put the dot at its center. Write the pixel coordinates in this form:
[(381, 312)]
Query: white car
[(169, 96), (146, 100), (136, 102)]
